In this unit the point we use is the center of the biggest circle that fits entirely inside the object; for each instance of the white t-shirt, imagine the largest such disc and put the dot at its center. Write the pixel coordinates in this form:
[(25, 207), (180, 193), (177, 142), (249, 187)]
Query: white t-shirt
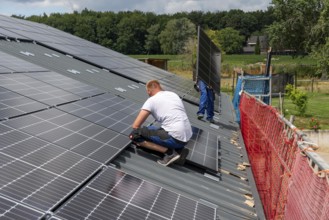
[(168, 109)]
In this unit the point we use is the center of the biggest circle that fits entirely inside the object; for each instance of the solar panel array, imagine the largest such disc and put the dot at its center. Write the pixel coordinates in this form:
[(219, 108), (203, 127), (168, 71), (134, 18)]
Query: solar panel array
[(59, 134), (130, 198), (105, 114)]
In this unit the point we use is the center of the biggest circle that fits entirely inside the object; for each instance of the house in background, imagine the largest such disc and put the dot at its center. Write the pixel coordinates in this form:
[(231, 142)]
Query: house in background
[(251, 44)]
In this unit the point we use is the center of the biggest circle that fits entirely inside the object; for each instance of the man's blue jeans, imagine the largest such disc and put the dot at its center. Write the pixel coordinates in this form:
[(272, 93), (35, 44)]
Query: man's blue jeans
[(162, 138), (206, 100)]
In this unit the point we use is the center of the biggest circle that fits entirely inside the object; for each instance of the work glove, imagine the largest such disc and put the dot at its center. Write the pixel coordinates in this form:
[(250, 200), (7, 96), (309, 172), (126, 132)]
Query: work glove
[(135, 134)]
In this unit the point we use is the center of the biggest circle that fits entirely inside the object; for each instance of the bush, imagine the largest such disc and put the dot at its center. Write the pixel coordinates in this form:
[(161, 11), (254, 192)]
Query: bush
[(298, 98)]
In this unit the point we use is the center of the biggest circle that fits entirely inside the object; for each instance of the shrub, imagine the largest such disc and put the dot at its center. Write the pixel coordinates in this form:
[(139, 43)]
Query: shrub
[(298, 98)]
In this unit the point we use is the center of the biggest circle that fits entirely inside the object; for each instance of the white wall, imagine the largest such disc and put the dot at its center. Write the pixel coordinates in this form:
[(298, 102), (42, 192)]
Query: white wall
[(321, 138)]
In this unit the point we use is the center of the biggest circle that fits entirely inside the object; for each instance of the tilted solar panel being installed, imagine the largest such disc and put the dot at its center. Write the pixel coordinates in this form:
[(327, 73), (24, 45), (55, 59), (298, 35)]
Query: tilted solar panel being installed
[(203, 148)]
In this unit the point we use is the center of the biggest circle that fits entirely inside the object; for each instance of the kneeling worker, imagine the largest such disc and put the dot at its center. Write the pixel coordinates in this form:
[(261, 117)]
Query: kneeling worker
[(175, 131)]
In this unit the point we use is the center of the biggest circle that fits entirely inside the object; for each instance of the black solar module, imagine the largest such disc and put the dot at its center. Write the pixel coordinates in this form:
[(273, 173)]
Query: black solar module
[(13, 104), (70, 85), (6, 33), (118, 195), (208, 61), (13, 64), (203, 148), (10, 209)]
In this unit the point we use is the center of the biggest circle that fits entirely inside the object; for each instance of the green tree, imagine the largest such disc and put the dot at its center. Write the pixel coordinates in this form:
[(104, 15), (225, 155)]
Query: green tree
[(231, 41), (243, 22), (152, 44), (107, 29), (176, 35), (295, 20), (320, 49), (86, 25), (131, 34)]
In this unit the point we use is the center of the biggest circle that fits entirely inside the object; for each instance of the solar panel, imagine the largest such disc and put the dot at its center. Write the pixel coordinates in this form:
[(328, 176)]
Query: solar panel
[(17, 65), (6, 33), (203, 149), (118, 195), (70, 85), (13, 104), (10, 209), (208, 61), (5, 70)]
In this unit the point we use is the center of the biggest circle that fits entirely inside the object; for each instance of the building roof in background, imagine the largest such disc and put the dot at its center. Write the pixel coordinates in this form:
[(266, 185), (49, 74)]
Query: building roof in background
[(66, 108)]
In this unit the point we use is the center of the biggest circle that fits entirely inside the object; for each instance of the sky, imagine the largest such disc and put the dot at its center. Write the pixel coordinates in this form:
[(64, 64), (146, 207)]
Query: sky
[(39, 7)]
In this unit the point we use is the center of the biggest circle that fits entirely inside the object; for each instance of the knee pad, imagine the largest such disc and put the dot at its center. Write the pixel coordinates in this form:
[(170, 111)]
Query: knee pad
[(147, 133)]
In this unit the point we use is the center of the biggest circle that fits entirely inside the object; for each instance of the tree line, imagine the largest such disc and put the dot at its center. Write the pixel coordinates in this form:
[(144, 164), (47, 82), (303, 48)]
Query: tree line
[(300, 26), (137, 32)]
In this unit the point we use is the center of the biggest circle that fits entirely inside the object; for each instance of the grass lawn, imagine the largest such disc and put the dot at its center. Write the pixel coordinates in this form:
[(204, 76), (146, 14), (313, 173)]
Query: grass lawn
[(178, 61), (317, 107)]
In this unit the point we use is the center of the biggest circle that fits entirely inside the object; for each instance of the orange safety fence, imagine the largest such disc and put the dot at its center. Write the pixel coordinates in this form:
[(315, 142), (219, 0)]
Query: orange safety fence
[(289, 183)]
